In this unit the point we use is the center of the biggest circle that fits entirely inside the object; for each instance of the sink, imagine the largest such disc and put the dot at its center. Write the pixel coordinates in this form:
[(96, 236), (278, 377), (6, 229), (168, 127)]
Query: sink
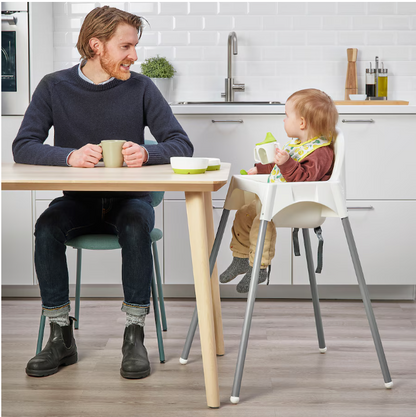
[(230, 102)]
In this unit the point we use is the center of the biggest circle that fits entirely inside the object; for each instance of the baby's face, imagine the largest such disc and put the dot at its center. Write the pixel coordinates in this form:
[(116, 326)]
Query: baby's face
[(292, 121)]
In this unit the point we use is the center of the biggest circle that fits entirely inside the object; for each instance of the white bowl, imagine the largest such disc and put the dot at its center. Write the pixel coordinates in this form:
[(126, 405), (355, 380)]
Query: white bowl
[(185, 165), (214, 164), (357, 97)]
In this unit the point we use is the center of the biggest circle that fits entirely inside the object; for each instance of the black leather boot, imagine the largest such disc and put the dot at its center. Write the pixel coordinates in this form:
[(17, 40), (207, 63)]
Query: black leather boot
[(135, 362), (60, 350)]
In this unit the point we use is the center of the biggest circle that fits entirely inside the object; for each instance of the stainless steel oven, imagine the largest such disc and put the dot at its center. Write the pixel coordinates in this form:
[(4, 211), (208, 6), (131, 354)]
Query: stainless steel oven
[(14, 58)]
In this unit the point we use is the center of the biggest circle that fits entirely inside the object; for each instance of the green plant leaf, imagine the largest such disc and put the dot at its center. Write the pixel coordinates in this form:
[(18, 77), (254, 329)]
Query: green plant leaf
[(157, 67)]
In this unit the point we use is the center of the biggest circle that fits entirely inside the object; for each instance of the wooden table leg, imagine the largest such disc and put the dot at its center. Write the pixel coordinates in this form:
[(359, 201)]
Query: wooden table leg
[(195, 208), (215, 286)]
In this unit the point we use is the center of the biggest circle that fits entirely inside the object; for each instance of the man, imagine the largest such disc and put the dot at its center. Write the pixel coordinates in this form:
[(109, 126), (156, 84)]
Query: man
[(98, 99)]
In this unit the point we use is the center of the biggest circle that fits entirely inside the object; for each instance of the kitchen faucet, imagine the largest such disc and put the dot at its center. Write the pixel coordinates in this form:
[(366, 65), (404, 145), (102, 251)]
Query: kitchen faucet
[(230, 87)]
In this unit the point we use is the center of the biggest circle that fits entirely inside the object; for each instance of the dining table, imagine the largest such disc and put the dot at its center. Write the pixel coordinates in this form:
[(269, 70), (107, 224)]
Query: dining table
[(197, 189)]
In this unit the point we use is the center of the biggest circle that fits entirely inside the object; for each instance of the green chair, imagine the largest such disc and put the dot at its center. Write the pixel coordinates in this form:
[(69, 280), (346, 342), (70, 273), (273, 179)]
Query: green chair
[(109, 242)]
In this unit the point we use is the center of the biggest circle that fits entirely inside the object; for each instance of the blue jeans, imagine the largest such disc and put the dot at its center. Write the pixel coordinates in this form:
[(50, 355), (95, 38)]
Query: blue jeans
[(131, 219)]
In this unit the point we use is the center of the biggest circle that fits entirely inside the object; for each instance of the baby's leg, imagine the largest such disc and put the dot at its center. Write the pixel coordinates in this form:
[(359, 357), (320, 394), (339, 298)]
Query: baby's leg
[(240, 242)]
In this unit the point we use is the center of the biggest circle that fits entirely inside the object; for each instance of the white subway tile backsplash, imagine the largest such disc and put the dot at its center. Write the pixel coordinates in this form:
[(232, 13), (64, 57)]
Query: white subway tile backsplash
[(143, 8), (352, 8), (219, 23), (382, 38), (233, 8), (282, 46), (307, 22), (395, 23), (262, 8), (321, 8), (189, 23), (248, 23), (382, 8), (173, 8), (366, 22), (333, 22)]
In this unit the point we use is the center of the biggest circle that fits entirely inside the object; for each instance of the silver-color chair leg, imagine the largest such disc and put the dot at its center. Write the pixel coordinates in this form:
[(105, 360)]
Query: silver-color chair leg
[(367, 303), (212, 259), (314, 290), (249, 314)]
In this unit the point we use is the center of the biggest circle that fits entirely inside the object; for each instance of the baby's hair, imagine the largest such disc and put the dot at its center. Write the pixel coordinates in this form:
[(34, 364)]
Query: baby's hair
[(319, 111)]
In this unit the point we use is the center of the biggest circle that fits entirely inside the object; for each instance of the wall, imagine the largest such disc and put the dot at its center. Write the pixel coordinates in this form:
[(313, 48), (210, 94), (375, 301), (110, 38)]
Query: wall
[(283, 47)]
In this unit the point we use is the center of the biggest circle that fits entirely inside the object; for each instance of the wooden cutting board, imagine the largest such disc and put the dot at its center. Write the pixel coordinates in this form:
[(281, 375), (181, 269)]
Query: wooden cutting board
[(371, 102)]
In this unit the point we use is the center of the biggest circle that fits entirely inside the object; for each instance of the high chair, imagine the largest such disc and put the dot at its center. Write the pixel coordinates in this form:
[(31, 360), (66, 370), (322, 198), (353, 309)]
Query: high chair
[(302, 205)]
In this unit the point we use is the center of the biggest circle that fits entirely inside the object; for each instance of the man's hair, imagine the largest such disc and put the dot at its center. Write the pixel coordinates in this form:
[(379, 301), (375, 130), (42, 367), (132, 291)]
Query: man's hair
[(319, 111), (102, 23)]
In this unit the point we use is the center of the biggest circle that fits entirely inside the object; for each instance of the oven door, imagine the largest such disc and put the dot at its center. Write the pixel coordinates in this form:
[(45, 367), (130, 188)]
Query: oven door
[(14, 62)]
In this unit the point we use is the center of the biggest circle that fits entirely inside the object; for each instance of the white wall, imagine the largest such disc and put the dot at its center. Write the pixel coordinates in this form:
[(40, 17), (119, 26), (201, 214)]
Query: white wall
[(283, 47)]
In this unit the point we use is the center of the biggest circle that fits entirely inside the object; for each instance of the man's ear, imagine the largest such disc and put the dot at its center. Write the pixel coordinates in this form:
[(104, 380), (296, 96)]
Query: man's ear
[(96, 45), (303, 124)]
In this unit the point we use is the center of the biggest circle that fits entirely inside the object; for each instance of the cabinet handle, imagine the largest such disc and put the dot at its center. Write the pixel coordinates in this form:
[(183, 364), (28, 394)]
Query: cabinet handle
[(361, 208), (228, 121), (217, 208), (358, 121)]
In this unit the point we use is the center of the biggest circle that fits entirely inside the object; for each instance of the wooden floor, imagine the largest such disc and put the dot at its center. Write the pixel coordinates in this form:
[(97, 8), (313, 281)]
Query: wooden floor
[(285, 375)]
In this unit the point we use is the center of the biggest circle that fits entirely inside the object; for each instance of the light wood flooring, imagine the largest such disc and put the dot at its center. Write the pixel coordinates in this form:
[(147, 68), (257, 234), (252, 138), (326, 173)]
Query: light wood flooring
[(285, 375)]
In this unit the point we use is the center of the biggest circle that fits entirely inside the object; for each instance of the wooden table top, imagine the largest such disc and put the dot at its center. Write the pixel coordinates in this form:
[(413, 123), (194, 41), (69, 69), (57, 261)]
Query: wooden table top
[(148, 178)]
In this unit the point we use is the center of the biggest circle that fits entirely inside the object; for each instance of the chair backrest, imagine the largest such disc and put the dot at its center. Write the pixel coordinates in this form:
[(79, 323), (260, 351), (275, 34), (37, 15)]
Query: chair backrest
[(157, 196), (294, 204)]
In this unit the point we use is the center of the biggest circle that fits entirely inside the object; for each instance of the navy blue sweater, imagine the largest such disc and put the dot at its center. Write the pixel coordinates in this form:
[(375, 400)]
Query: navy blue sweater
[(82, 113)]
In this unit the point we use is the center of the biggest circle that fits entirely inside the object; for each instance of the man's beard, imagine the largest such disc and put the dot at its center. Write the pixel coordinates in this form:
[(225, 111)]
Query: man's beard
[(112, 68)]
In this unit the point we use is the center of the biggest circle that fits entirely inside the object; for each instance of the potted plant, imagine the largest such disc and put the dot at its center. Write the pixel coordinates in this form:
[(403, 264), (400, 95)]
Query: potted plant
[(161, 73)]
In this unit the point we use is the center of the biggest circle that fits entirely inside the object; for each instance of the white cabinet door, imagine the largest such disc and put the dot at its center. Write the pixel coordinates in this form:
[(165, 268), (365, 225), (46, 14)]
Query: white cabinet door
[(16, 238), (384, 233), (178, 261), (231, 138), (379, 156), (100, 267)]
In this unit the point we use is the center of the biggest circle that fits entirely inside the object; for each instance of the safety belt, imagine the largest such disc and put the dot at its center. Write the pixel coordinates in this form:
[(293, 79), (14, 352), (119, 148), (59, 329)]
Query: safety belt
[(318, 232)]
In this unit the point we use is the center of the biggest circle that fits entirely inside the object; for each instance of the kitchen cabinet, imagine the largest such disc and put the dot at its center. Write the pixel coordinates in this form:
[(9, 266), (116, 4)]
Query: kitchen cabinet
[(16, 238)]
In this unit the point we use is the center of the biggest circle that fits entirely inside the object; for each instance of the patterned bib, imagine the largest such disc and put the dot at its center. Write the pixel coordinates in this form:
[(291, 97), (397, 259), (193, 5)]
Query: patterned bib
[(297, 151)]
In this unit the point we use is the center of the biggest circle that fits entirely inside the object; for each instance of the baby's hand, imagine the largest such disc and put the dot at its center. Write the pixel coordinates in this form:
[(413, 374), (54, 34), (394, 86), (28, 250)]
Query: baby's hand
[(280, 157), (252, 171)]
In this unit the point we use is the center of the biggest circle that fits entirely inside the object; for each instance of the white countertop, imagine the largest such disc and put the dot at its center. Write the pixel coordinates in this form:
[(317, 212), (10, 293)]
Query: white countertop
[(280, 109)]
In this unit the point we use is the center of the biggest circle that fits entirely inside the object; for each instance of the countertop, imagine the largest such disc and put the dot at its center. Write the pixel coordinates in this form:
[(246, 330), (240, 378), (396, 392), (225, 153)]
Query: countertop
[(280, 109)]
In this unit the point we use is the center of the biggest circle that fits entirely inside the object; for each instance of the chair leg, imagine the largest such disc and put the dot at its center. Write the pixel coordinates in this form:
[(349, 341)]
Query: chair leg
[(41, 332), (78, 287), (367, 303), (212, 259), (157, 322), (314, 290), (249, 313), (159, 286)]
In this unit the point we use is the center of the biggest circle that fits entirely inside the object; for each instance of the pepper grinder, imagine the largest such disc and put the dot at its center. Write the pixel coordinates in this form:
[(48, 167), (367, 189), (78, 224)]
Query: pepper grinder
[(351, 83)]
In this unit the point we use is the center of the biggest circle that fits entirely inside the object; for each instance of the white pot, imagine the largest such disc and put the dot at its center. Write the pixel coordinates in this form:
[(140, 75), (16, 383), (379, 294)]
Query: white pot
[(165, 86)]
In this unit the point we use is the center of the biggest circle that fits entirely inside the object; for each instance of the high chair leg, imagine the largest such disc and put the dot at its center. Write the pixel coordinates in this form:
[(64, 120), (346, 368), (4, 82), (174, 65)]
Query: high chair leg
[(314, 290), (367, 303), (212, 259), (249, 313)]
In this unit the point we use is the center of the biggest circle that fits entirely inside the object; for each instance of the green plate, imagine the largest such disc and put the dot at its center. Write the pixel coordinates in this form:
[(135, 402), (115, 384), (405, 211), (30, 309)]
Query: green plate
[(188, 171), (214, 168)]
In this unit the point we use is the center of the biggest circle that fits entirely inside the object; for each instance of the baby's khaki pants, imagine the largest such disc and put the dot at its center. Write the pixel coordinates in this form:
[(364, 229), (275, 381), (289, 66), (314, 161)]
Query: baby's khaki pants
[(245, 231)]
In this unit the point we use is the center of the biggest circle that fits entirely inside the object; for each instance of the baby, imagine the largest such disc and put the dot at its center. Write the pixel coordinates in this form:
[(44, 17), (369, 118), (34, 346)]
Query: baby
[(311, 117)]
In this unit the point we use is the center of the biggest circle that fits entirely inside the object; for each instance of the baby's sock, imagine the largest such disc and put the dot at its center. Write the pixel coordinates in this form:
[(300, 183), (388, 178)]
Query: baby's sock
[(238, 266), (60, 320), (244, 285), (130, 319)]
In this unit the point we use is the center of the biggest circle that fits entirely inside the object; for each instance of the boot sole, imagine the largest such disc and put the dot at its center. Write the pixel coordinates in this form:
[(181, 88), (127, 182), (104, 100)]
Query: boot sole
[(134, 375), (70, 360)]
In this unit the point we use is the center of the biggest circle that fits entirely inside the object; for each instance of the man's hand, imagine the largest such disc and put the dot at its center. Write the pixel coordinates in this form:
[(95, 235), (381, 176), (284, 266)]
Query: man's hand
[(85, 157), (280, 157), (134, 155)]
